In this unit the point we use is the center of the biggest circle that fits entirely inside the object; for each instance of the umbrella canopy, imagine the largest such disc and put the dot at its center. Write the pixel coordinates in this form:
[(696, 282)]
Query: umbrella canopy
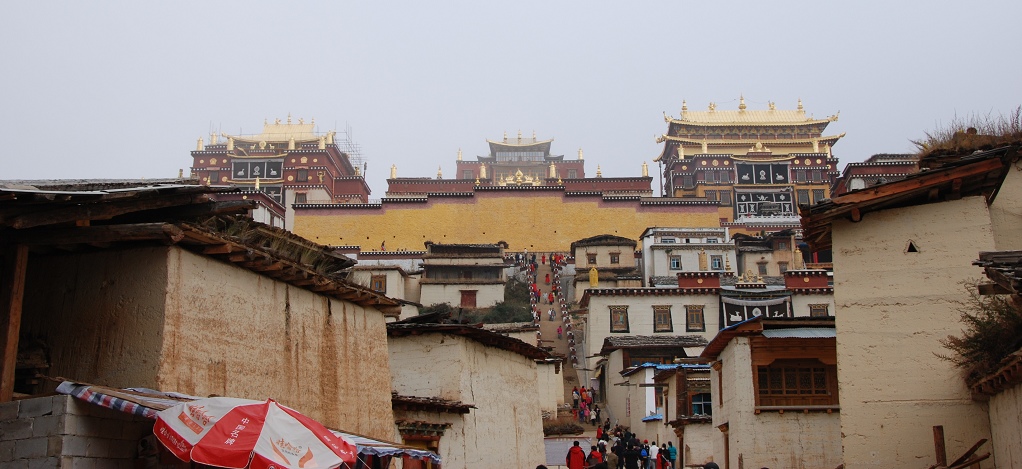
[(234, 433)]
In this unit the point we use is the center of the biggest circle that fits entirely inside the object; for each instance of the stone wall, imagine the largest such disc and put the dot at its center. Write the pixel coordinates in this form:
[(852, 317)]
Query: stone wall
[(1006, 427), (487, 295), (64, 432)]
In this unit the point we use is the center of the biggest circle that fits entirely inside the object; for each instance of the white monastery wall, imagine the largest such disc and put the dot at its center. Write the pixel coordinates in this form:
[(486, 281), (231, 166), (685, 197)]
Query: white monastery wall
[(769, 439), (616, 397), (507, 422), (1006, 427), (452, 448), (1006, 211), (893, 308), (486, 294), (551, 387), (800, 303)]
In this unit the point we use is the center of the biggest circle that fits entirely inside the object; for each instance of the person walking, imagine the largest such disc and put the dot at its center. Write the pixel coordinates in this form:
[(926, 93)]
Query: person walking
[(576, 457), (672, 453), (559, 331)]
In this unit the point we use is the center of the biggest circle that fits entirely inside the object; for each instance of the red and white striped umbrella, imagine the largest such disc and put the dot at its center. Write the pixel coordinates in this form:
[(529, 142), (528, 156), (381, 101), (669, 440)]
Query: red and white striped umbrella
[(239, 433)]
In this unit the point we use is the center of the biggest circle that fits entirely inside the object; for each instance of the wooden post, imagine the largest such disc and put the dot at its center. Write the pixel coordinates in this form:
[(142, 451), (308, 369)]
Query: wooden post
[(938, 445), (12, 275)]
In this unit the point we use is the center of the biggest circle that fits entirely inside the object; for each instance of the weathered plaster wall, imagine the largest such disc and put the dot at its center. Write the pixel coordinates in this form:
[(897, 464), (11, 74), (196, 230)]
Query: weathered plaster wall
[(1006, 211), (486, 294), (101, 314), (800, 303), (1006, 427), (769, 439), (699, 440), (516, 218), (617, 397), (502, 385), (231, 332), (893, 308), (551, 387), (626, 255)]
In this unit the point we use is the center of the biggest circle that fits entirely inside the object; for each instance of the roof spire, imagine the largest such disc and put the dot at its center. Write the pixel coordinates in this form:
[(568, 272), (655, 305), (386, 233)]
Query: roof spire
[(800, 108), (684, 106), (599, 173), (393, 171), (289, 118), (645, 170), (533, 135), (519, 135), (439, 174), (741, 102), (459, 154), (505, 136), (580, 153)]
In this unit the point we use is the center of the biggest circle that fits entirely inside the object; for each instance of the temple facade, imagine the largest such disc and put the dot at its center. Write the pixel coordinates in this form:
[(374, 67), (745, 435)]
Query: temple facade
[(758, 165), (286, 161)]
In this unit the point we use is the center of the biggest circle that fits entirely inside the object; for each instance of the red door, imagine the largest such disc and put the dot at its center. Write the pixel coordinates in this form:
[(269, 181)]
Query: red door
[(468, 298)]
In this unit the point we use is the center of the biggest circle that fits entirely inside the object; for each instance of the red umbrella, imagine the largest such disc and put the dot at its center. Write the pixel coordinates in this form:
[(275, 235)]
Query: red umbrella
[(239, 433)]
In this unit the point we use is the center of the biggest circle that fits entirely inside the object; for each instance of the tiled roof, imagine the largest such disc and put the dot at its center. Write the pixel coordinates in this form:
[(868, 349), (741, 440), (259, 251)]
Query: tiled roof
[(636, 341), (428, 403)]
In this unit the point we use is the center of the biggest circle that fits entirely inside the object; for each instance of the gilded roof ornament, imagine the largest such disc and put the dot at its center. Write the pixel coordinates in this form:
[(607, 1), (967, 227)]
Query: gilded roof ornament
[(257, 184), (519, 135), (505, 136), (800, 108), (289, 118), (741, 102), (713, 106), (645, 169), (482, 171), (439, 174), (393, 171), (580, 153), (773, 106), (553, 169), (666, 117), (459, 154), (684, 106), (199, 145), (533, 135), (477, 180), (599, 173), (276, 121)]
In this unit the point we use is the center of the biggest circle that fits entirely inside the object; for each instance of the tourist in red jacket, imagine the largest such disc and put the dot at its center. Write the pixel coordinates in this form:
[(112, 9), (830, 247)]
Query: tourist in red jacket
[(576, 458)]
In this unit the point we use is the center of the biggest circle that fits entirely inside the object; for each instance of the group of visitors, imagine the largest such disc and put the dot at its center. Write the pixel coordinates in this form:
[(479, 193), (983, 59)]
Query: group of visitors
[(632, 454), (537, 296), (584, 409)]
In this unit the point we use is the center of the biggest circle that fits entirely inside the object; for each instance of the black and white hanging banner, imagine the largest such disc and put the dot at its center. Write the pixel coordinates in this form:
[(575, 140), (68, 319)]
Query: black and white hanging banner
[(735, 310)]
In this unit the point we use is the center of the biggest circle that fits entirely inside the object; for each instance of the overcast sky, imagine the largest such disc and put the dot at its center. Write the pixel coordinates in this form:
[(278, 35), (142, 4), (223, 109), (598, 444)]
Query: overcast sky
[(124, 89)]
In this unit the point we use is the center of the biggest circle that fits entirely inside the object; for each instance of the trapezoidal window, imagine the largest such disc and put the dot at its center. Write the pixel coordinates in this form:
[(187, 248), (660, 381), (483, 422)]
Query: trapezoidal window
[(911, 246)]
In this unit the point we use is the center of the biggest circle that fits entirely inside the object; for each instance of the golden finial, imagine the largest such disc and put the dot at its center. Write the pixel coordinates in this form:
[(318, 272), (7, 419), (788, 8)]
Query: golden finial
[(291, 143), (519, 135), (301, 120), (358, 172), (200, 146), (477, 180), (553, 169), (230, 143), (322, 142), (459, 154), (684, 106), (257, 184), (276, 121), (505, 136), (580, 153), (713, 106), (289, 118), (645, 170), (599, 173), (180, 173), (439, 174), (393, 171), (559, 182), (534, 135), (727, 264), (594, 277), (741, 102), (800, 109), (482, 171), (773, 106)]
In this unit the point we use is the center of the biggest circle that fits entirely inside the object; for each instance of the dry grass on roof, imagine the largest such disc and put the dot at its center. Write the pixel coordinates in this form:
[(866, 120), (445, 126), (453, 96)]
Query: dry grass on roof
[(973, 133)]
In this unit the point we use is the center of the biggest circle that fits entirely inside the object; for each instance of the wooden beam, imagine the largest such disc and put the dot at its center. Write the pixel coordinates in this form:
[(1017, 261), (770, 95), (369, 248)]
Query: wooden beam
[(102, 210), (219, 249), (925, 180), (99, 234), (12, 277), (938, 445), (956, 189)]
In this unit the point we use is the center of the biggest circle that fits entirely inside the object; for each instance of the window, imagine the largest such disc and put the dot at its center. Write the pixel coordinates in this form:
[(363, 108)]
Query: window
[(572, 174), (712, 240), (782, 267), (214, 177), (710, 195), (762, 268), (618, 319), (725, 176), (800, 175), (662, 319), (303, 175), (701, 404), (591, 259), (788, 382), (817, 175), (710, 176), (378, 283), (782, 245), (301, 197), (694, 316), (686, 182), (675, 262), (716, 262), (819, 310), (669, 240), (803, 196), (467, 174), (725, 198), (818, 196), (615, 258)]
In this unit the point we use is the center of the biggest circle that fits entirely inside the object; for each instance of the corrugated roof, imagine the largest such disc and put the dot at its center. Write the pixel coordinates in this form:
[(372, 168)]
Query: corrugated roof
[(800, 333)]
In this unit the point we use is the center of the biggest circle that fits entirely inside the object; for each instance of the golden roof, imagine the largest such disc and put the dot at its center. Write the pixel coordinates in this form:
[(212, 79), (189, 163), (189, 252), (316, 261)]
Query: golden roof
[(278, 132), (752, 141), (526, 141), (747, 117)]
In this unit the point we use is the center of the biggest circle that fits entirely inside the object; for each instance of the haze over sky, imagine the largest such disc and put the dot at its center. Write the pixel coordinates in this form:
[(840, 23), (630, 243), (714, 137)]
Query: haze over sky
[(124, 89)]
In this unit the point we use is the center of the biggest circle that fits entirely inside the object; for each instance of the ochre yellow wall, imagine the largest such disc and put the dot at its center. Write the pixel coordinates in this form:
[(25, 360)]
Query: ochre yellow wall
[(537, 221)]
